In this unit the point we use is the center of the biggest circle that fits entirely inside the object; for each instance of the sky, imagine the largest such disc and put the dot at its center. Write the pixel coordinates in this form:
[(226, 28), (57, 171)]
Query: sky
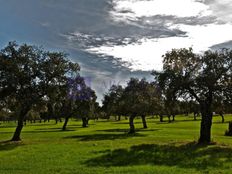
[(114, 40)]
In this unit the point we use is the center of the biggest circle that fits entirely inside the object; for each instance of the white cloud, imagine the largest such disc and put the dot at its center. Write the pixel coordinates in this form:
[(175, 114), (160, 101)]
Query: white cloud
[(132, 9), (221, 9), (147, 53)]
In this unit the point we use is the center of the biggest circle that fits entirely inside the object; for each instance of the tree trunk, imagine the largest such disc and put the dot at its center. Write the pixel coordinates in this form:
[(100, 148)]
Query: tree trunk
[(119, 118), (84, 122), (173, 117), (87, 121), (223, 119), (131, 123), (206, 123), (65, 123), (144, 121), (229, 131), (195, 116), (169, 118), (18, 130), (161, 118)]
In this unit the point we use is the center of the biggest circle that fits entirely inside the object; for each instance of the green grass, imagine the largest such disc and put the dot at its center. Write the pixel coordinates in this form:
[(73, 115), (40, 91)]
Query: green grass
[(105, 147)]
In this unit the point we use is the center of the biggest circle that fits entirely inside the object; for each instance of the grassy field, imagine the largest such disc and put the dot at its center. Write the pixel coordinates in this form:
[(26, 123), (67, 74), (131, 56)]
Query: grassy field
[(105, 147)]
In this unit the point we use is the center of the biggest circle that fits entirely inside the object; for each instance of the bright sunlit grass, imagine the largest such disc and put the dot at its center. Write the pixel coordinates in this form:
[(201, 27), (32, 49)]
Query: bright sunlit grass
[(105, 147)]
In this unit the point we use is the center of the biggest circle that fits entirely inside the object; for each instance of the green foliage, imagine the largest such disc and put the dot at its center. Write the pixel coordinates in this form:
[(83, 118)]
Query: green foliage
[(203, 78), (29, 75), (112, 103)]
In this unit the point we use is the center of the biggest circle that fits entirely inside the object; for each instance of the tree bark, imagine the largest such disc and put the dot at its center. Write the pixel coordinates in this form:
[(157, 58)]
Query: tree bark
[(65, 123), (161, 118), (173, 117), (223, 119), (206, 123), (131, 123), (195, 116), (229, 131), (144, 121), (87, 121), (169, 118), (18, 130), (84, 122)]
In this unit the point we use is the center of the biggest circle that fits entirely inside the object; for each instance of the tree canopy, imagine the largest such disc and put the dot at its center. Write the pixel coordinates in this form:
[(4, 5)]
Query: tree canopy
[(202, 77), (29, 74)]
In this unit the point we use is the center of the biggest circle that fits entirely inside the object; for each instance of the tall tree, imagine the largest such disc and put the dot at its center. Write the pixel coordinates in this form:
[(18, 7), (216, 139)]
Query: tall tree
[(203, 77), (111, 102), (80, 101), (140, 98), (28, 73), (85, 105)]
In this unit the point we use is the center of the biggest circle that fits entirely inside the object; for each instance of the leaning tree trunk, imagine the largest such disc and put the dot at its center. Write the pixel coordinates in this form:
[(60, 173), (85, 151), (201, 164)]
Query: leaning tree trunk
[(206, 123), (144, 121), (131, 123), (22, 115), (65, 123)]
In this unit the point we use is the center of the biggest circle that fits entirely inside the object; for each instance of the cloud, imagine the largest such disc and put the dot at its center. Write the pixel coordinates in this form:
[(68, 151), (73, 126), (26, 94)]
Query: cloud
[(132, 9), (183, 23), (117, 39), (221, 9)]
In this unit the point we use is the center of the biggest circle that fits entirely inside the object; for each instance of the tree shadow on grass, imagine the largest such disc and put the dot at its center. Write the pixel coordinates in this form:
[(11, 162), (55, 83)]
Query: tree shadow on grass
[(6, 126), (48, 131), (53, 129), (220, 122), (42, 131), (184, 156), (118, 122), (9, 145), (99, 137), (173, 122), (127, 123), (126, 130), (27, 125)]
